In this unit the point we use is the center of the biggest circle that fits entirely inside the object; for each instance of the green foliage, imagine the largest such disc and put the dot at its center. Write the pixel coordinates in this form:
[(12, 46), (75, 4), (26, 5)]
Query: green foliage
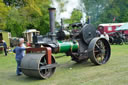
[(95, 8), (17, 3), (3, 14), (18, 15), (43, 26), (117, 9), (15, 22), (76, 17), (104, 11)]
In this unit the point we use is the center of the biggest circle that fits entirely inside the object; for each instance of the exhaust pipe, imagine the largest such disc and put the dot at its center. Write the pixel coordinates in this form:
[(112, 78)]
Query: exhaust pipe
[(52, 20)]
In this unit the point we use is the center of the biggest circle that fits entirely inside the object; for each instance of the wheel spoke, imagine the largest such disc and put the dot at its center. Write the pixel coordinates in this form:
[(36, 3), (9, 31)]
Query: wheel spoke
[(101, 45), (100, 57), (96, 51), (42, 63), (97, 46)]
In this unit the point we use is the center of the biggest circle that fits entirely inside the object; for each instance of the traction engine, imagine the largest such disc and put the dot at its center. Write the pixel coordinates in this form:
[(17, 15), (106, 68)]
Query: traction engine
[(81, 44)]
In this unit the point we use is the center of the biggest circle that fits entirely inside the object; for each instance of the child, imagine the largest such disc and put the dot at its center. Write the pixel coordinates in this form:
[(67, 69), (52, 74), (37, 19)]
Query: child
[(19, 50), (5, 47)]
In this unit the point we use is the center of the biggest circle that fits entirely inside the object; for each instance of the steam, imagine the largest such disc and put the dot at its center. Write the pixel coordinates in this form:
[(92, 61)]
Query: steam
[(64, 8)]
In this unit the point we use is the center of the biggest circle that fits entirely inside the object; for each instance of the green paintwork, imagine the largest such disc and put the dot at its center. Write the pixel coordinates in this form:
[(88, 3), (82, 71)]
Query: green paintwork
[(75, 46), (68, 46)]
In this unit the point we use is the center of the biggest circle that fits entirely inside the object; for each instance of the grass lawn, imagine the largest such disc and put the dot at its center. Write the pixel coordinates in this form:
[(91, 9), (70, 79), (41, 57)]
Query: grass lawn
[(114, 72)]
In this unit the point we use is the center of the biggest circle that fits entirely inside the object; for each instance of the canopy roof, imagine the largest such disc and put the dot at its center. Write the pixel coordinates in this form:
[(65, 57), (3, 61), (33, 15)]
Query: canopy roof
[(123, 27), (30, 30)]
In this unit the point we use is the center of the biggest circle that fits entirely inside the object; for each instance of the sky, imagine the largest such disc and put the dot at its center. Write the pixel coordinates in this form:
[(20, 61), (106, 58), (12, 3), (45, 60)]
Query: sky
[(66, 10)]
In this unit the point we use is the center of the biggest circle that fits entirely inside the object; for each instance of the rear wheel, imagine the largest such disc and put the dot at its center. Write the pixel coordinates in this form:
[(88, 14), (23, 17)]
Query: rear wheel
[(99, 51)]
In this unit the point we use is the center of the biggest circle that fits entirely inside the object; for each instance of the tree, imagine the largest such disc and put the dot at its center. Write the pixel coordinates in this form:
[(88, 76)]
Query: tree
[(96, 8), (17, 3), (39, 15), (3, 14), (116, 10), (33, 15), (75, 17), (15, 23)]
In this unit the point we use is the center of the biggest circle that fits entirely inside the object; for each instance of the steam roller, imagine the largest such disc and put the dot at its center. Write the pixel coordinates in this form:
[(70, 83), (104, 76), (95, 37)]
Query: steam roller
[(81, 43)]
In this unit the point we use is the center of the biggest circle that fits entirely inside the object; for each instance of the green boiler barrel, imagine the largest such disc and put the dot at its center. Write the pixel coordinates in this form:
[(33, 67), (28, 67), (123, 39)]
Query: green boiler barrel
[(68, 46)]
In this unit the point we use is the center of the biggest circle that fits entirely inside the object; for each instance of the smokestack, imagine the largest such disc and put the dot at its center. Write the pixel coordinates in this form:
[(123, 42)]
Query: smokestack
[(52, 19)]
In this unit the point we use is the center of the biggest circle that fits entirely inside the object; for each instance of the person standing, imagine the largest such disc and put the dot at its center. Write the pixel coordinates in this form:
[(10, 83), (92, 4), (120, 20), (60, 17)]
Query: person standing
[(5, 47), (98, 33), (106, 36), (19, 50)]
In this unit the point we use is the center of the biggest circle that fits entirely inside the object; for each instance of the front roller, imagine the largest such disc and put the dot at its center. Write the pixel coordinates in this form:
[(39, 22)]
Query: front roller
[(36, 65), (99, 51)]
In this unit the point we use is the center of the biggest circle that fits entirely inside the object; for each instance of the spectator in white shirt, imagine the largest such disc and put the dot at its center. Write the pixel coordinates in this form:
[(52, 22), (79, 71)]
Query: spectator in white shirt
[(105, 35)]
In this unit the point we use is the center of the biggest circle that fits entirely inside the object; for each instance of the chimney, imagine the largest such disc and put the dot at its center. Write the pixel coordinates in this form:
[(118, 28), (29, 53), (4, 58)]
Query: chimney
[(52, 20)]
